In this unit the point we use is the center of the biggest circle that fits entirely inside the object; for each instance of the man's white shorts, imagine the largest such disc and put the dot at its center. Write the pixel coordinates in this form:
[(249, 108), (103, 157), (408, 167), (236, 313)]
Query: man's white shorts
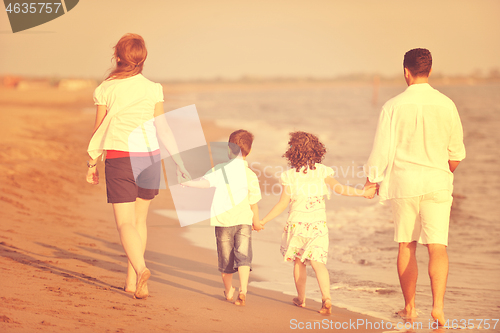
[(424, 218)]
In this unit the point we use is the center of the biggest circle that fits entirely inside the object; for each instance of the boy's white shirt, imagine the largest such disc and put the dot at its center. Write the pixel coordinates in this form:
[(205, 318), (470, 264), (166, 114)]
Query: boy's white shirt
[(236, 188)]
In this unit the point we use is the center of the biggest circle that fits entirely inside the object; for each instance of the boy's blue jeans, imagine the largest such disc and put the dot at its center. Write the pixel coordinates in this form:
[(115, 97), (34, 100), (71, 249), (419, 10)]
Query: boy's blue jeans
[(234, 247)]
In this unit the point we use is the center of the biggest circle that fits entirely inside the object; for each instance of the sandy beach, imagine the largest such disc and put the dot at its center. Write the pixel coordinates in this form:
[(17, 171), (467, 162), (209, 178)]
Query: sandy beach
[(62, 266)]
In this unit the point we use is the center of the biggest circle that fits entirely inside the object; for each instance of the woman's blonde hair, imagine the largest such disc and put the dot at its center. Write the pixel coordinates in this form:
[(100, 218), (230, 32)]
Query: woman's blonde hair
[(130, 54)]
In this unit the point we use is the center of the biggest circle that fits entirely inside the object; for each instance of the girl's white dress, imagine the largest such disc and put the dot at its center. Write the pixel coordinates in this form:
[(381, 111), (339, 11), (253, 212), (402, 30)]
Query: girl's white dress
[(306, 234)]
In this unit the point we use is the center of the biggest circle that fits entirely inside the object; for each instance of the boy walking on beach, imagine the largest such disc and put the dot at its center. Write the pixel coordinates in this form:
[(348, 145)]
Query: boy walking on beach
[(418, 145), (234, 210)]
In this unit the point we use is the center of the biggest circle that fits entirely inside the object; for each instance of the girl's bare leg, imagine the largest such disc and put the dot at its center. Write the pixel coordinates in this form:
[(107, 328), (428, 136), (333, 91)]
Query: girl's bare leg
[(300, 277), (323, 279), (324, 285), (141, 213)]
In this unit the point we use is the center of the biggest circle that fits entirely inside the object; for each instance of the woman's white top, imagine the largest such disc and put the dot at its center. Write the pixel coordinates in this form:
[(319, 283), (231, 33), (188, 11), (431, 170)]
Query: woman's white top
[(129, 121), (307, 191)]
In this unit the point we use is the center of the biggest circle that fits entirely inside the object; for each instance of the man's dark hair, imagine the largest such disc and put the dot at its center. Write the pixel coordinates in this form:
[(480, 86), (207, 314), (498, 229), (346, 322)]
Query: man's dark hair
[(243, 139), (418, 62)]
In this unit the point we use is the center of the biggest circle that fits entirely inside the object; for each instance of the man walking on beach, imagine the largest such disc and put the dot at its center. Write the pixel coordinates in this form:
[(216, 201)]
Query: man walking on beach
[(418, 144)]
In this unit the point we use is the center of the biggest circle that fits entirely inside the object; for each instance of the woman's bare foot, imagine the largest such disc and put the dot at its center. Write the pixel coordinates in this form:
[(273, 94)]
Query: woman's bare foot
[(134, 289), (130, 282), (438, 314), (299, 303), (142, 287), (129, 288)]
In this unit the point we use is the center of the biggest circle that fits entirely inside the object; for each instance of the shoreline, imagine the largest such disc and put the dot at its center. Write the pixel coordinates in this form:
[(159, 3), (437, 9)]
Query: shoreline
[(269, 271)]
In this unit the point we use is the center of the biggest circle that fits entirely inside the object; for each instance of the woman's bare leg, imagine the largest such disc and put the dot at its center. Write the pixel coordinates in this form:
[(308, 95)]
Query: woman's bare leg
[(141, 213), (129, 235)]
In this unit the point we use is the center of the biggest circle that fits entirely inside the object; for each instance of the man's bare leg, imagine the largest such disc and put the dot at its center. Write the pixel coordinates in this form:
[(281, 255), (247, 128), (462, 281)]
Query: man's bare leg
[(438, 273), (408, 273)]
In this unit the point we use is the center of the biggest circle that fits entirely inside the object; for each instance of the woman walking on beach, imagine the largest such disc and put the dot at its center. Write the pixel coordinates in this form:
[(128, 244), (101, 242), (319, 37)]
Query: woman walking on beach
[(128, 118), (305, 238)]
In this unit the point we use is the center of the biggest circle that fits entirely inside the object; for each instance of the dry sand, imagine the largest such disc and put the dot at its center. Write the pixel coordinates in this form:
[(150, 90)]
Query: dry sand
[(62, 267)]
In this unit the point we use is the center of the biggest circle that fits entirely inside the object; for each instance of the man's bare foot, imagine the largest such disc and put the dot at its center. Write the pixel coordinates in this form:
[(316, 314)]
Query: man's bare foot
[(407, 314), (438, 314), (142, 287)]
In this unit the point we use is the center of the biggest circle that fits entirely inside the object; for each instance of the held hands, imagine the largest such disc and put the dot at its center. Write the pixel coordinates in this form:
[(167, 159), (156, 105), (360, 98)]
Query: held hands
[(370, 192), (258, 226), (370, 189), (93, 176)]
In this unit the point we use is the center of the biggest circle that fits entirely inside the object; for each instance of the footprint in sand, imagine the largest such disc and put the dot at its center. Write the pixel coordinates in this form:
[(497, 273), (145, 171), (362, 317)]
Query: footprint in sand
[(71, 279), (46, 323), (5, 319)]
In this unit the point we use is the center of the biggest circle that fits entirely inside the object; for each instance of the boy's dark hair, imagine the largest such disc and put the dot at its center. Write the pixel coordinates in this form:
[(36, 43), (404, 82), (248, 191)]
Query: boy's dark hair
[(305, 150), (418, 62), (242, 140)]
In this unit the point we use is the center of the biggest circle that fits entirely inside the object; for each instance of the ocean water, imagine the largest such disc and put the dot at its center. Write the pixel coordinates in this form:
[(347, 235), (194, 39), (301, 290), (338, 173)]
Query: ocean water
[(362, 253)]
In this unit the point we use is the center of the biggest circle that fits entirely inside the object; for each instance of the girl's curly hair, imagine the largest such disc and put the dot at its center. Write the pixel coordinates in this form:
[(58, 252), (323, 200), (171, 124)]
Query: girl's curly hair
[(305, 150)]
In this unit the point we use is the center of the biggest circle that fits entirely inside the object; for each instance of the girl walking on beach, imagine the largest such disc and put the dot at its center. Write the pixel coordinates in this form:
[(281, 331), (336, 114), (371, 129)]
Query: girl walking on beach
[(127, 125), (305, 237)]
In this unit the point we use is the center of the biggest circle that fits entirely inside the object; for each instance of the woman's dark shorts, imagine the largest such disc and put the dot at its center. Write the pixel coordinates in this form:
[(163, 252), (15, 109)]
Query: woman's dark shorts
[(129, 178)]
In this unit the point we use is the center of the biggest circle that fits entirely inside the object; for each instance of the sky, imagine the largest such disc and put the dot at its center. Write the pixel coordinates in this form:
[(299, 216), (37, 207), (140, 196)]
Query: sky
[(200, 39)]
